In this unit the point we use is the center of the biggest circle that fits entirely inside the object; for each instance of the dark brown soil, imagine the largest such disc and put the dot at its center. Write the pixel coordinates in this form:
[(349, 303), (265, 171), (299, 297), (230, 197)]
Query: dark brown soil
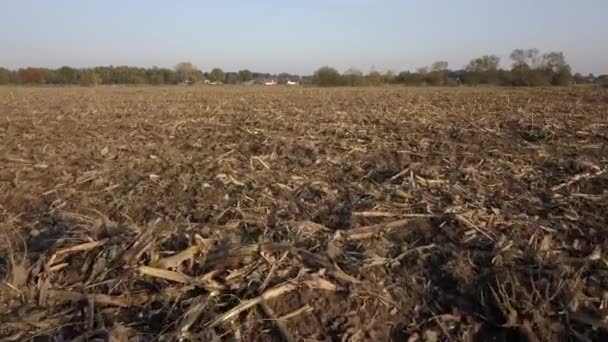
[(257, 214)]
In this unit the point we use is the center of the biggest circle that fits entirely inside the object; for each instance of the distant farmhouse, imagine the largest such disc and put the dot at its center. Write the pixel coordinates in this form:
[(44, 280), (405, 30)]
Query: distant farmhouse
[(270, 82)]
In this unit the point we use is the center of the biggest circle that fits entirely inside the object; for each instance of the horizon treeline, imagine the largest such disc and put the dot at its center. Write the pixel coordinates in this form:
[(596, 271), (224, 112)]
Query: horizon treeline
[(529, 68)]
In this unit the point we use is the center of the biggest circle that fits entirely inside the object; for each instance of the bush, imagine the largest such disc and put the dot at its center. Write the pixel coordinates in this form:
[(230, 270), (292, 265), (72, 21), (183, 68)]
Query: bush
[(410, 78), (524, 76), (327, 77), (436, 78), (5, 76), (562, 77), (245, 75), (89, 79), (353, 78), (537, 78), (217, 75)]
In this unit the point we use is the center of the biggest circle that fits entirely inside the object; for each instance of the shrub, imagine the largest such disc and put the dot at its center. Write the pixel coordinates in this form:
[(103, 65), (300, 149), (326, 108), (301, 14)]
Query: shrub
[(217, 75), (353, 78), (562, 77), (327, 77), (89, 79)]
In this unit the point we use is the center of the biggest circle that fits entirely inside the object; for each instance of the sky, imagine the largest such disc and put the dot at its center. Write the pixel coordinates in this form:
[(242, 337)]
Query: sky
[(298, 36)]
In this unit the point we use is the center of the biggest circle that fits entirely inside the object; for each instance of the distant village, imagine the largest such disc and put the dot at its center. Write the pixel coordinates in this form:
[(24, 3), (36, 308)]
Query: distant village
[(260, 79)]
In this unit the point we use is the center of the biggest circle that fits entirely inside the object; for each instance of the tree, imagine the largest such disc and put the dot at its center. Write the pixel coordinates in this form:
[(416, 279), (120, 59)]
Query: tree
[(232, 78), (374, 78), (245, 75), (529, 57), (556, 68), (158, 76), (89, 78), (327, 77), (32, 75), (217, 75), (482, 70), (603, 81), (5, 76), (438, 74), (529, 68), (187, 72), (389, 77), (409, 78), (422, 70), (484, 64), (563, 77), (439, 66), (554, 61), (353, 77), (68, 75), (580, 79), (505, 77), (523, 75)]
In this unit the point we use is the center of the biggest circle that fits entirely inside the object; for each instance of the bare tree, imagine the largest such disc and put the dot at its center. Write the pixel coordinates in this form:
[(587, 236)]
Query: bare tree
[(529, 57), (484, 64), (534, 58), (519, 57), (554, 61), (439, 66), (422, 70), (389, 76)]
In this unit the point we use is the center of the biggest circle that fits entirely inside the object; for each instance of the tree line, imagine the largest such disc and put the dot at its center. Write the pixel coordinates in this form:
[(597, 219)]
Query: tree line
[(184, 72), (528, 68)]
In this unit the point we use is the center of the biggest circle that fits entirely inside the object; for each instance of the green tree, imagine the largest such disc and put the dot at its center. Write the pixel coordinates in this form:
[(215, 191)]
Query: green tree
[(482, 70), (5, 76), (438, 74), (245, 75), (527, 69), (217, 75), (187, 72), (484, 63), (556, 68), (327, 77), (410, 78), (68, 75), (519, 74), (562, 77), (353, 77), (89, 78)]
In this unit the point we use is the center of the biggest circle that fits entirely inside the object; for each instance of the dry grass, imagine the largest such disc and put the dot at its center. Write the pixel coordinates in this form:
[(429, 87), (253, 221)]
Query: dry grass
[(207, 214)]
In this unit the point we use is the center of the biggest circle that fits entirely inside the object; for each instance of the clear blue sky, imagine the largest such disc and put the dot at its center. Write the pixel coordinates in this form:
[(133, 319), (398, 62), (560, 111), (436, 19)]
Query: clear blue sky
[(298, 35)]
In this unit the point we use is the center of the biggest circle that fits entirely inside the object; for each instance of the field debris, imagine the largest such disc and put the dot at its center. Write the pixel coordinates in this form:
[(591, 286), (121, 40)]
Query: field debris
[(256, 214)]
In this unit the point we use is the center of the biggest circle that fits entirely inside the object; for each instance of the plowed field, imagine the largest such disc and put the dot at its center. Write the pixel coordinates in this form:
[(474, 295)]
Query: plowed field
[(302, 214)]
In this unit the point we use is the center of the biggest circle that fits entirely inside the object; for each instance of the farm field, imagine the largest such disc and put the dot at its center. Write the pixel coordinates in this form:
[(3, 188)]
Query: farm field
[(303, 214)]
